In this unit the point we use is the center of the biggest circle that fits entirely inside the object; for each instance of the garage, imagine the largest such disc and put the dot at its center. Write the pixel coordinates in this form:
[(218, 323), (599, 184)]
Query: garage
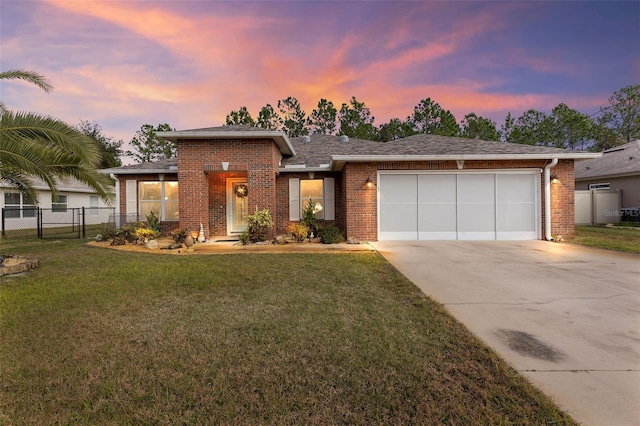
[(459, 205)]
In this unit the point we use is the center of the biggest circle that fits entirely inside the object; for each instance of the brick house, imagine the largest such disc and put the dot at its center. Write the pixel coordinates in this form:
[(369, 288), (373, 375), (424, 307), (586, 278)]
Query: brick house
[(420, 187)]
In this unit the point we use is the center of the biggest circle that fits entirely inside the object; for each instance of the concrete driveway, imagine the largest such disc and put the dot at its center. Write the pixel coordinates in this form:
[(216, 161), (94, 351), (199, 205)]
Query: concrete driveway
[(565, 316)]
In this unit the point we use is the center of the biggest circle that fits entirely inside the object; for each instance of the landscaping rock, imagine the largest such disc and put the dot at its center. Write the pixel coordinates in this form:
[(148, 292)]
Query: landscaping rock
[(280, 239), (151, 244), (16, 265), (99, 238), (188, 241), (353, 240)]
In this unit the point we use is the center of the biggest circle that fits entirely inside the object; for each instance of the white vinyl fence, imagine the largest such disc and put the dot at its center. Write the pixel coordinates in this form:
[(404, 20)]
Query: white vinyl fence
[(598, 206)]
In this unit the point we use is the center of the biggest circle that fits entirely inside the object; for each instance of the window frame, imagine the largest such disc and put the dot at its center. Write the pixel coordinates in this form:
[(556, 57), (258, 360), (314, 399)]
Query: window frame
[(23, 206), (296, 204), (599, 186), (93, 205), (58, 206), (163, 200), (305, 200)]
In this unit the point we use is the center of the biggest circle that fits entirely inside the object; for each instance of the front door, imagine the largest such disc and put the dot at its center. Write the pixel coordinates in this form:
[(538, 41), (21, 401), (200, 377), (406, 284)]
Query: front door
[(237, 202)]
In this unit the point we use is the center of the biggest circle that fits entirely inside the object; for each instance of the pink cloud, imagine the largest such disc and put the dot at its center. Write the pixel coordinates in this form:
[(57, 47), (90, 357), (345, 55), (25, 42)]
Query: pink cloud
[(247, 58)]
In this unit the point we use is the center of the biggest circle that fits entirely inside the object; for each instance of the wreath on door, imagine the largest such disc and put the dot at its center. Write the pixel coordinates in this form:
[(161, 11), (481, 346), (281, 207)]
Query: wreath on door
[(241, 190)]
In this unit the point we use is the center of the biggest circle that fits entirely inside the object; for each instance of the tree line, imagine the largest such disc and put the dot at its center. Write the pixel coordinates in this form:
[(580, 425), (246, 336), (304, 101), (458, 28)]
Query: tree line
[(614, 124), (564, 127), (32, 145)]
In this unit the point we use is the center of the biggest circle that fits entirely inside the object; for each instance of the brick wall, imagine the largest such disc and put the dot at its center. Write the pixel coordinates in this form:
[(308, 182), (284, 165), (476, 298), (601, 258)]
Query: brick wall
[(201, 191), (562, 200), (203, 186), (282, 195), (218, 200), (360, 205), (166, 226)]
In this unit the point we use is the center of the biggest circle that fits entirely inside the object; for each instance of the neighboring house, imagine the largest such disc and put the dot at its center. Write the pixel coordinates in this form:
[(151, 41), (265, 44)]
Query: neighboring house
[(20, 211), (617, 169), (420, 187)]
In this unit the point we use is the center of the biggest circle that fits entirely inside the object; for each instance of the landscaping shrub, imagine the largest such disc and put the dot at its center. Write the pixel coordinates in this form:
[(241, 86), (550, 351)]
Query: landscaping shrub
[(309, 218), (146, 233), (244, 238), (179, 235), (128, 232), (258, 225), (136, 231), (108, 232), (298, 231), (153, 220), (330, 234)]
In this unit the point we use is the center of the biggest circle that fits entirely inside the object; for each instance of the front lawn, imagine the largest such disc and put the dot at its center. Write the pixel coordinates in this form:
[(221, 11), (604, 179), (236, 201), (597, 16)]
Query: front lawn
[(97, 336), (609, 237)]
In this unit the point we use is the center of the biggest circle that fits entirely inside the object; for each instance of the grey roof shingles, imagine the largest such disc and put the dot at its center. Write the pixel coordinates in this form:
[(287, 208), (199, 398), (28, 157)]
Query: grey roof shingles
[(320, 149), (63, 185), (623, 160), (146, 167)]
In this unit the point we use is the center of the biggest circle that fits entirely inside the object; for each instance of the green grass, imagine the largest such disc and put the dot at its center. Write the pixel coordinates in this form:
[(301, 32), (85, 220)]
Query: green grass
[(96, 336), (610, 238)]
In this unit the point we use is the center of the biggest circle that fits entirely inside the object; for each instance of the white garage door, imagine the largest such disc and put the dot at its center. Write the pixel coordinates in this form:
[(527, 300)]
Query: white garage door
[(494, 205)]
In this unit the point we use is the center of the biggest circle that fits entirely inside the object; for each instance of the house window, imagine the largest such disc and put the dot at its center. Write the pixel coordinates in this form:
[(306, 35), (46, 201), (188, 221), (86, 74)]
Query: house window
[(59, 203), (599, 186), (321, 192), (161, 197), (93, 203), (18, 205), (312, 190)]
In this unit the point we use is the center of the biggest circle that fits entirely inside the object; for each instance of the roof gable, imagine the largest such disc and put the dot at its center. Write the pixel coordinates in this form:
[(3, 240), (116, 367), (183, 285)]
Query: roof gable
[(236, 131)]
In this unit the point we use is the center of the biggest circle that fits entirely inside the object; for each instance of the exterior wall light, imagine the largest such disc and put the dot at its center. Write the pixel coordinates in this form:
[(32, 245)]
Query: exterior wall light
[(554, 179), (368, 184)]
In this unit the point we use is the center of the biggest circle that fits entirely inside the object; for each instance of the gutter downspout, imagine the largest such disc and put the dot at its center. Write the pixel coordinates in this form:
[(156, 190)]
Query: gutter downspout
[(547, 200), (117, 185)]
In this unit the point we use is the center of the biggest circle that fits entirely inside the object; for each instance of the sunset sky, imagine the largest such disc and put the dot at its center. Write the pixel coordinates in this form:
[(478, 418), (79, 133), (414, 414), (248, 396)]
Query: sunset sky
[(188, 63)]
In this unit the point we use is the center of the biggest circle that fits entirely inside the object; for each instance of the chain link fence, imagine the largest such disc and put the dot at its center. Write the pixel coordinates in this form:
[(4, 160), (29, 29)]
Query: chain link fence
[(77, 222)]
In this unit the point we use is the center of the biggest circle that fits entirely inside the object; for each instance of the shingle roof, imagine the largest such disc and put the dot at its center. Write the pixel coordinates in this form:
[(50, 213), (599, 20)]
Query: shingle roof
[(320, 149), (323, 150), (160, 166), (63, 185), (622, 160)]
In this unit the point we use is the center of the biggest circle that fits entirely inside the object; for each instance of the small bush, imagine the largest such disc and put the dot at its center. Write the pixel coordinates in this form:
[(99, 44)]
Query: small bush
[(128, 232), (258, 225), (108, 232), (153, 220), (298, 231), (146, 233), (330, 234), (244, 238), (179, 235), (136, 231), (309, 217)]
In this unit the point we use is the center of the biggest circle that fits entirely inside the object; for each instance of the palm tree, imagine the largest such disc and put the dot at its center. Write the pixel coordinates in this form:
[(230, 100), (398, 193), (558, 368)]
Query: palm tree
[(36, 146)]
